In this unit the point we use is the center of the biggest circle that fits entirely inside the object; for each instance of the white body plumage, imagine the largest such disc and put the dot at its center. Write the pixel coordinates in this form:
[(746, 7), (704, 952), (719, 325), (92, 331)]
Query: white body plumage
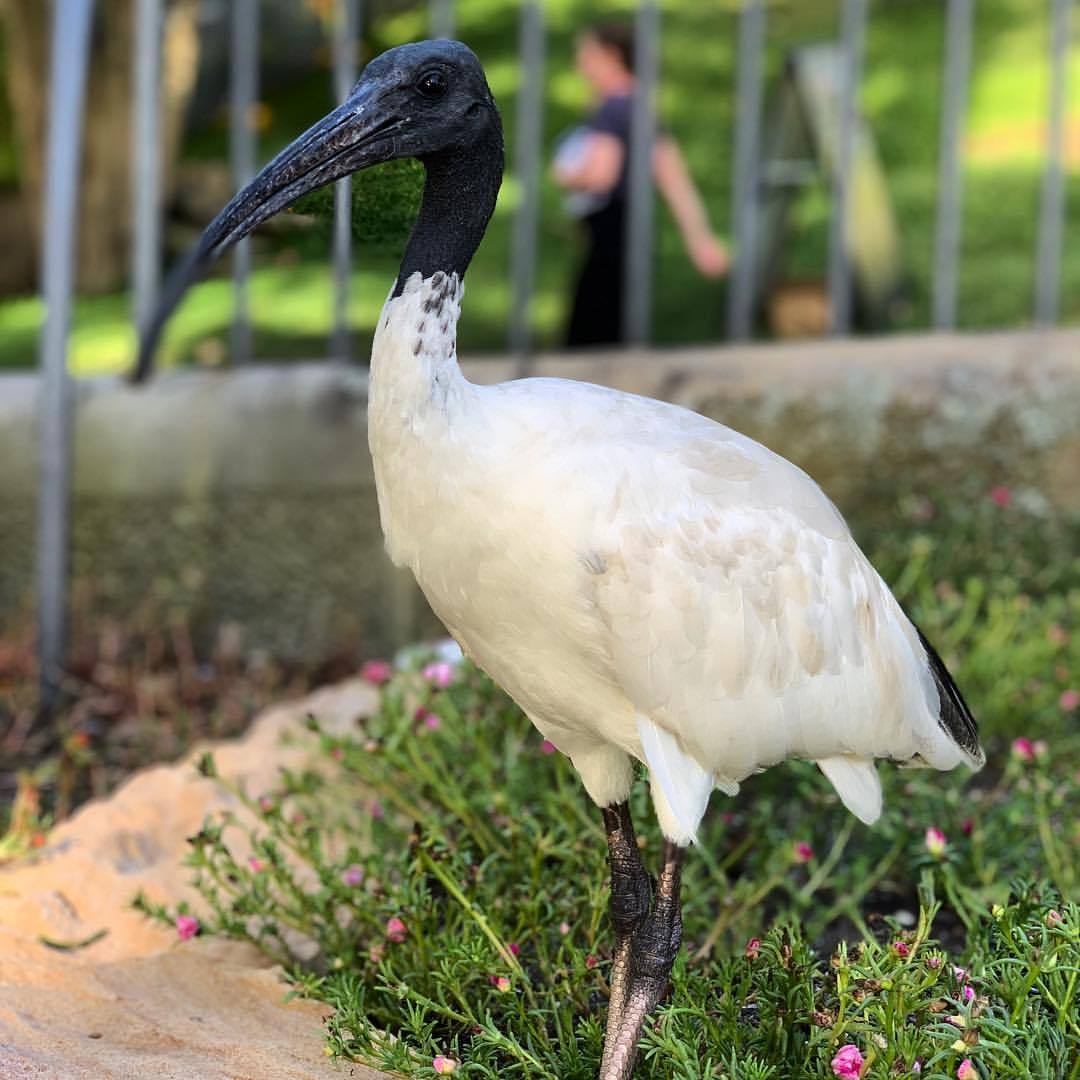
[(646, 584)]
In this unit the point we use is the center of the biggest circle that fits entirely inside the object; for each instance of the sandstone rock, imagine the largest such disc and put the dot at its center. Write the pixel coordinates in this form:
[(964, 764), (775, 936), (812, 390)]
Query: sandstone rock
[(138, 1002)]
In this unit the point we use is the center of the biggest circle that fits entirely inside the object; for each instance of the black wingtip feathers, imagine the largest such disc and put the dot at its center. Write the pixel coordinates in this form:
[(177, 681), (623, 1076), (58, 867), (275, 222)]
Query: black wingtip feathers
[(954, 716)]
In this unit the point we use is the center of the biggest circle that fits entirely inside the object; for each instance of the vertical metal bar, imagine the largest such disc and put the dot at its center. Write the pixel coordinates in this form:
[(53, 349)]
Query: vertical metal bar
[(146, 161), (527, 154), (243, 94), (637, 291), (1052, 205), (853, 33), (67, 80), (441, 18), (346, 32), (747, 168), (950, 183)]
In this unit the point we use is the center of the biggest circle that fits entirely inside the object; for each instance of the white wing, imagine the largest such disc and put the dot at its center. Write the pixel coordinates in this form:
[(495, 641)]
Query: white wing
[(738, 615), (747, 626)]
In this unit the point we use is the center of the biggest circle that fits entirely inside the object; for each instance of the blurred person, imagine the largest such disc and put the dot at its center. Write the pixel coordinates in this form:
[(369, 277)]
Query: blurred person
[(591, 164)]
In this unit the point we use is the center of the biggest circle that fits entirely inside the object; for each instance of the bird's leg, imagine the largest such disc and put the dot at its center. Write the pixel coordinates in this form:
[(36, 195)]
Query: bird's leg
[(631, 894), (654, 946)]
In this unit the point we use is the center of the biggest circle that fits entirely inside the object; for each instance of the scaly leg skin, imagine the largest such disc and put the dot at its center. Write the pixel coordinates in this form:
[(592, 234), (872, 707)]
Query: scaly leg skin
[(653, 949), (631, 897)]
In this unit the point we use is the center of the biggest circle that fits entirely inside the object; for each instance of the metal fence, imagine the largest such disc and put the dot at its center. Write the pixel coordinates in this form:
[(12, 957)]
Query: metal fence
[(70, 49)]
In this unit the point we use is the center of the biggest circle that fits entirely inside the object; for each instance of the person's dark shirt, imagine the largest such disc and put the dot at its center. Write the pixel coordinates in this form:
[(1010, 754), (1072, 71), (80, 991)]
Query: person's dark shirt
[(614, 117)]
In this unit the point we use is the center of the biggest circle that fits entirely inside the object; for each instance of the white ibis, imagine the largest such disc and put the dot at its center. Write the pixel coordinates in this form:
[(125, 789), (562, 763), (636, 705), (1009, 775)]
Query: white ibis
[(647, 584)]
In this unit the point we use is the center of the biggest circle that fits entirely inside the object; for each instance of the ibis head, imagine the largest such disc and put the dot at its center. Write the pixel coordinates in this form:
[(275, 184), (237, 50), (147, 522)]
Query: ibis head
[(428, 100)]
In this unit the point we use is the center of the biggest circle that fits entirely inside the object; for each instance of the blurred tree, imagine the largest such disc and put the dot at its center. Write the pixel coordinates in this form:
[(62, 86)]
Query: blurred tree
[(105, 215)]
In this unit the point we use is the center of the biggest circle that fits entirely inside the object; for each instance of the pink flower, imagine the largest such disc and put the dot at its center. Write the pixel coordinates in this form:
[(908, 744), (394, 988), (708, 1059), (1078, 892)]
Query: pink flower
[(902, 949), (266, 804), (933, 962), (500, 982), (967, 826), (440, 674), (376, 672), (923, 510), (338, 753), (548, 747), (753, 947), (1023, 749), (1053, 919), (187, 926), (591, 961), (396, 931), (967, 1071), (444, 1066), (961, 974), (564, 928), (354, 875), (515, 948), (802, 852), (1000, 495), (848, 1062), (257, 866), (1069, 699), (376, 953), (431, 721), (377, 809), (935, 842), (969, 993)]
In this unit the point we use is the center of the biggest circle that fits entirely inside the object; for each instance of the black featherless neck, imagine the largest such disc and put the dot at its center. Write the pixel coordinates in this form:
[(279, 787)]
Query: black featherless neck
[(460, 190)]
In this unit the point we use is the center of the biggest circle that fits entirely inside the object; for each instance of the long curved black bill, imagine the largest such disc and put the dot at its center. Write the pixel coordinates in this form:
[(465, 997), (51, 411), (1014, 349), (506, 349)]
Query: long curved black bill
[(350, 138)]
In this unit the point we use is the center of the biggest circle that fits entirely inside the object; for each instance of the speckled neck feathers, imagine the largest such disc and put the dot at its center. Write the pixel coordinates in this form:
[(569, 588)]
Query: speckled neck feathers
[(414, 356), (419, 404)]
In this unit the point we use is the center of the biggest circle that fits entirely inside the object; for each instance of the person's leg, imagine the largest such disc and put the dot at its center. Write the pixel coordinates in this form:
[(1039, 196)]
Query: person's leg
[(596, 316)]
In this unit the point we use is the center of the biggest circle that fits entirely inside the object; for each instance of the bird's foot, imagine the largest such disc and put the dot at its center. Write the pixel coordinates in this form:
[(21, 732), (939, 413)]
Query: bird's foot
[(641, 969)]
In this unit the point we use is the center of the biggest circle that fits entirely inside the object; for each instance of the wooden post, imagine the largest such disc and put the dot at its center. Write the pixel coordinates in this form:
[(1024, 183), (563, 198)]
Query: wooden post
[(527, 165), (853, 33), (441, 18), (955, 78), (637, 291), (146, 137), (346, 33), (747, 154), (243, 143), (69, 59), (1052, 204)]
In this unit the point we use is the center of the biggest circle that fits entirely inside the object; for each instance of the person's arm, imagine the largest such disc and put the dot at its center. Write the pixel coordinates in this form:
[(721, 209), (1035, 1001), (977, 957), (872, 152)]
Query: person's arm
[(706, 251), (599, 166)]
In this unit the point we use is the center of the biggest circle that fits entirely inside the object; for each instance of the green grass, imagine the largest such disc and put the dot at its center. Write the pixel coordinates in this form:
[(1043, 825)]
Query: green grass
[(487, 850), (291, 307)]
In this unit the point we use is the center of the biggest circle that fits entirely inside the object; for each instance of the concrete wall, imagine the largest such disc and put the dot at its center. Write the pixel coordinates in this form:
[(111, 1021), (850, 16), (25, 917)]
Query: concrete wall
[(247, 497)]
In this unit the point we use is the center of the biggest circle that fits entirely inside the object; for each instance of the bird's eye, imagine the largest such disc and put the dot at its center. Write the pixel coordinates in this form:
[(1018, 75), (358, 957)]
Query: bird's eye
[(432, 84)]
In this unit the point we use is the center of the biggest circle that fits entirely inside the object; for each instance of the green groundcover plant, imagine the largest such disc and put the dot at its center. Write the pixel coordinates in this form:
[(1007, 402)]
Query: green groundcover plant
[(438, 877)]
